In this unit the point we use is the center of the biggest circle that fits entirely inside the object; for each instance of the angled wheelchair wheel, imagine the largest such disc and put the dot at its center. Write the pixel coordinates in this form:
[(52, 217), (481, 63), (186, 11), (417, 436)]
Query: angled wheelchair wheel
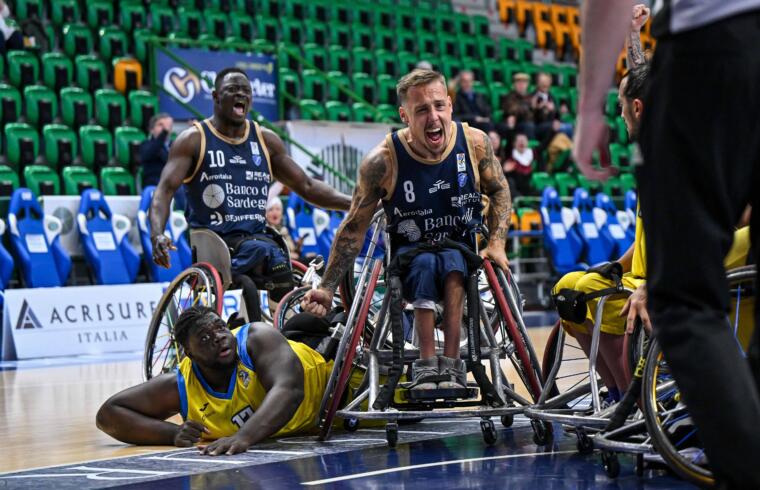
[(290, 304), (633, 346), (199, 284)]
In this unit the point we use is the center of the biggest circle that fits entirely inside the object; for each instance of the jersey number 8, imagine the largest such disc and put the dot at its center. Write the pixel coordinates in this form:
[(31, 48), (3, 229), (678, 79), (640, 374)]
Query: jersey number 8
[(409, 191)]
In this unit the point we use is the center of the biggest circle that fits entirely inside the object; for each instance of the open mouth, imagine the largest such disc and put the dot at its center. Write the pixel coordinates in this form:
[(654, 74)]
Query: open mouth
[(225, 352), (239, 109), (434, 136)]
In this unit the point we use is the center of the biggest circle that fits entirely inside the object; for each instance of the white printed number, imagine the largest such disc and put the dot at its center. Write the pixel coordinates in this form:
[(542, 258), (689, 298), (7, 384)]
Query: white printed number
[(409, 191), (217, 158)]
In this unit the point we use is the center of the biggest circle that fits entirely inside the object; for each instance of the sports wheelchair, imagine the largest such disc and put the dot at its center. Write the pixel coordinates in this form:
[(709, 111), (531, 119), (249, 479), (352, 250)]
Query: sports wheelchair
[(377, 339), (203, 283)]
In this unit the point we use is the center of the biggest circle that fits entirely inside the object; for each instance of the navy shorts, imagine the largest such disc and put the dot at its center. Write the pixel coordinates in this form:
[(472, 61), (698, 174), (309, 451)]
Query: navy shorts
[(428, 271), (251, 253)]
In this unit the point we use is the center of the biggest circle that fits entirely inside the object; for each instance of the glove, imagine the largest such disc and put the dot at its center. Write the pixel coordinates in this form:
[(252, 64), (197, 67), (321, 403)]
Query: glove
[(609, 270)]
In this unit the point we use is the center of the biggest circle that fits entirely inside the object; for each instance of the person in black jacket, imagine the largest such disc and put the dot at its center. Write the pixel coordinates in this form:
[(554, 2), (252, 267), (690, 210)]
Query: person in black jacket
[(471, 107), (154, 152)]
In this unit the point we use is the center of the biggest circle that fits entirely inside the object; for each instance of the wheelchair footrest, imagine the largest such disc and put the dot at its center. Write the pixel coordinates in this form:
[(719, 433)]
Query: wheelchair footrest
[(437, 394)]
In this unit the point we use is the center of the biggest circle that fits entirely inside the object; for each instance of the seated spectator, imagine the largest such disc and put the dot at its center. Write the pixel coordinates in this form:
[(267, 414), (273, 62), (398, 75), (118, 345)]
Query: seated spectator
[(471, 107), (274, 219), (518, 110), (10, 37), (545, 111), (518, 166)]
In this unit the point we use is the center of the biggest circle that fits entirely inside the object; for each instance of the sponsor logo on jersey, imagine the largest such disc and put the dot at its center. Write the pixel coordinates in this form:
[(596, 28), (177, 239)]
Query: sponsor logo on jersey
[(254, 148), (462, 179), (464, 199), (238, 160), (216, 218), (448, 220), (205, 176), (439, 186), (213, 196), (461, 163), (410, 230), (414, 212), (249, 175)]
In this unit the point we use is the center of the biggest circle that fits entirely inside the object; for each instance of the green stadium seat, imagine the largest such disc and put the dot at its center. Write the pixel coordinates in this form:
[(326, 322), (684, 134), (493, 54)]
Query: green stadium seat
[(337, 111), (611, 107), (362, 112), (313, 85), (386, 89), (333, 92), (161, 19), (627, 182), (113, 43), (426, 21), (569, 75), (362, 36), (540, 181), (405, 19), (451, 66), (76, 179), (311, 110), (57, 70), (76, 107), (386, 63), (297, 9), (142, 106), (475, 66), (364, 86), (117, 181), (23, 68), (340, 35), (270, 8), (448, 45), (592, 186), (481, 26), (406, 62), (128, 140), (290, 87), (243, 27), (60, 145), (317, 33), (2, 67), (141, 37), (27, 9), (566, 184), (469, 47), (65, 11), (427, 44), (385, 39), (42, 180), (190, 22), (619, 133), (620, 155), (133, 16), (267, 28), (406, 41), (338, 59), (386, 113), (318, 10), (110, 108), (487, 49), (217, 23), (316, 55), (97, 146), (612, 187), (77, 40), (291, 31), (10, 104), (22, 144), (340, 12), (100, 13), (41, 105), (362, 15), (287, 58), (384, 17), (362, 61), (9, 181)]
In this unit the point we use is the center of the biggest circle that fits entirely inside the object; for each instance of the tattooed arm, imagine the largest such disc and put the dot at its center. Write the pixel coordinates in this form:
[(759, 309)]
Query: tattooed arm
[(634, 52), (370, 188), (494, 185)]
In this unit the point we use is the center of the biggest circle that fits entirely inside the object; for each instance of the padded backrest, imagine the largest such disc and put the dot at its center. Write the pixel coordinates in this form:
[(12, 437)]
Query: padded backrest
[(175, 227), (561, 238), (104, 240), (34, 239), (608, 219), (6, 260), (599, 246), (301, 224)]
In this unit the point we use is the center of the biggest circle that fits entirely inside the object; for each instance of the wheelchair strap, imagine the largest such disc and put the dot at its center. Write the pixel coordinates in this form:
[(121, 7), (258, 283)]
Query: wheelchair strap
[(385, 395), (400, 263)]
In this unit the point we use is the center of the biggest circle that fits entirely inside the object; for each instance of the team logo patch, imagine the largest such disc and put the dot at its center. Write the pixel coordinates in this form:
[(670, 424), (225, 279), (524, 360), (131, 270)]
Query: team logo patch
[(462, 179), (237, 160), (461, 163), (256, 160), (245, 378), (213, 196), (410, 230), (255, 148), (439, 186)]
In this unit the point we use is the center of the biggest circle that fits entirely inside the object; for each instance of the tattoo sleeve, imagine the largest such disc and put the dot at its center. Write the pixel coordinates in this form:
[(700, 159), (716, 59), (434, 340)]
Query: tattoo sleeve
[(350, 235), (494, 185), (634, 52)]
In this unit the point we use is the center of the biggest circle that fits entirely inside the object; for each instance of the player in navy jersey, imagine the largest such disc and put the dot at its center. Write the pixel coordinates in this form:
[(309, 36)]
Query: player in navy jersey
[(431, 177), (227, 164)]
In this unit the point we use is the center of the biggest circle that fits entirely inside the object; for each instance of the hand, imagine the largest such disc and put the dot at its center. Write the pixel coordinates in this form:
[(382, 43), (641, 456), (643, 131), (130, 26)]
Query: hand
[(496, 252), (640, 15), (189, 433), (162, 244), (318, 301), (591, 133), (226, 445), (636, 307)]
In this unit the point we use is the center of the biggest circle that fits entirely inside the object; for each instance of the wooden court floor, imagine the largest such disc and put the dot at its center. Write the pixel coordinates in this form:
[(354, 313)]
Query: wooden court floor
[(49, 412)]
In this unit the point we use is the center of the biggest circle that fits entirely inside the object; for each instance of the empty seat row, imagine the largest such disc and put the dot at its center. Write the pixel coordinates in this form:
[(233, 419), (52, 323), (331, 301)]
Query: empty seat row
[(72, 180)]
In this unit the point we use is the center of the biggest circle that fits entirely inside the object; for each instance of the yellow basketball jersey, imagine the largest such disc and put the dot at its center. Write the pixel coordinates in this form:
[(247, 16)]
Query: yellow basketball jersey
[(224, 413), (639, 262)]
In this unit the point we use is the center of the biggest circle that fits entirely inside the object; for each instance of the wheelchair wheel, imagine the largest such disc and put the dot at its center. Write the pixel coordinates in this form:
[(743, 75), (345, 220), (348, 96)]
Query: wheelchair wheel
[(199, 284), (633, 346), (673, 434), (290, 304), (344, 360)]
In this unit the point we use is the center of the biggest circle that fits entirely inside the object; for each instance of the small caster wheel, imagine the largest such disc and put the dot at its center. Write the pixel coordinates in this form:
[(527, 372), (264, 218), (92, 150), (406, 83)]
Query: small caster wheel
[(391, 434), (507, 420), (611, 464), (489, 431), (585, 444), (541, 434), (351, 424), (639, 465)]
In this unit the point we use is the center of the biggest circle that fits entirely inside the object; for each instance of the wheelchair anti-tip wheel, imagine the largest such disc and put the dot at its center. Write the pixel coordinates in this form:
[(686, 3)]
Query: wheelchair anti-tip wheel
[(199, 284)]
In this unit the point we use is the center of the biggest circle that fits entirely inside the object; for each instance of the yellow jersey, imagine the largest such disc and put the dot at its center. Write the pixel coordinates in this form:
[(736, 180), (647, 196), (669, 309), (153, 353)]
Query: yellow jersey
[(225, 413), (639, 261)]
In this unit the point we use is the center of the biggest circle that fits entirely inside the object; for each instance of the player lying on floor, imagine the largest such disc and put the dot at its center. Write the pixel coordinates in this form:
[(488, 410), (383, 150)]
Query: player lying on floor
[(233, 389)]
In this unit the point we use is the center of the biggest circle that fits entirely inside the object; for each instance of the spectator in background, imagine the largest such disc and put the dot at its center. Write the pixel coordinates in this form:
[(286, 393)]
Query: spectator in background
[(518, 109), (519, 165), (154, 152), (470, 107), (545, 110), (10, 37), (274, 219)]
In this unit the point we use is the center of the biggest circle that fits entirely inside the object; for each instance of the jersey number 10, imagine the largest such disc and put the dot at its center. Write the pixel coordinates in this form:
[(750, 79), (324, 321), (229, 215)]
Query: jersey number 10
[(217, 158)]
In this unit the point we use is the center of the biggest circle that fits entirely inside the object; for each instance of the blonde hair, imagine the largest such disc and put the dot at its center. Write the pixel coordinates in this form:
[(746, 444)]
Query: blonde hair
[(416, 78)]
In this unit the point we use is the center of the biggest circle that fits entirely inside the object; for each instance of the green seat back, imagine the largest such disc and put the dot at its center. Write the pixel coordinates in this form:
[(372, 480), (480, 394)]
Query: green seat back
[(76, 106), (142, 106), (105, 100), (76, 179), (113, 43), (77, 40), (100, 13), (60, 144), (311, 110), (65, 11), (9, 181), (22, 144), (116, 181), (57, 70), (97, 145), (23, 68), (42, 180), (90, 72), (127, 140), (41, 104), (10, 103), (133, 16)]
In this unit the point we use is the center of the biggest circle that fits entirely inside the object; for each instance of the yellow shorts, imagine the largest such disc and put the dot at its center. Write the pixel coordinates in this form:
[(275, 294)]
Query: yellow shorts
[(612, 322)]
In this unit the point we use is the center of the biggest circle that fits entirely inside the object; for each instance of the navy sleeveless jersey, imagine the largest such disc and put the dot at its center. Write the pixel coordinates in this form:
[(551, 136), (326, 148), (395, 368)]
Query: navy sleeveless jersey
[(227, 192), (432, 200)]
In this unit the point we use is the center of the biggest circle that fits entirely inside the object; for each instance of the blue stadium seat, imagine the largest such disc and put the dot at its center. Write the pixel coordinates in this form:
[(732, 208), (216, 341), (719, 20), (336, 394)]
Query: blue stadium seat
[(301, 224), (34, 239), (104, 240), (631, 210), (613, 223), (561, 240), (175, 228), (599, 246), (6, 261)]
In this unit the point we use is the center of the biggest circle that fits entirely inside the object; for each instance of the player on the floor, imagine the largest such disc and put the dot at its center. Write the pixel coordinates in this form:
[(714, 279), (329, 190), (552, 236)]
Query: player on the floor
[(227, 163), (430, 178), (234, 388)]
